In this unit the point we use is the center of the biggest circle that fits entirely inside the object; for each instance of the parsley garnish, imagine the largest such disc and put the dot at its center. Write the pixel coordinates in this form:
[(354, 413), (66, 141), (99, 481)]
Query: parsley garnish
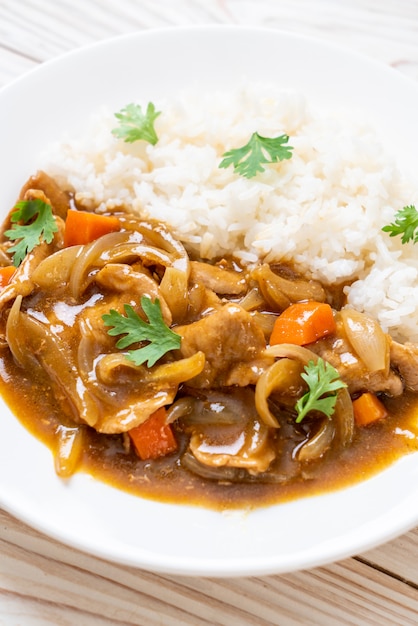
[(32, 230), (134, 125), (161, 338), (405, 224), (248, 160), (323, 381)]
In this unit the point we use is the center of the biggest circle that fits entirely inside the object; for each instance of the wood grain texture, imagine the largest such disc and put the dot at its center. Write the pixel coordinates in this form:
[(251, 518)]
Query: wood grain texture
[(43, 582), (42, 29), (45, 573)]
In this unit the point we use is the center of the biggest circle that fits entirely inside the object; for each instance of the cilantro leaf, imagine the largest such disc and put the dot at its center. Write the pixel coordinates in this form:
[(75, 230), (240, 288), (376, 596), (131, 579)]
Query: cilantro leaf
[(32, 231), (134, 125), (248, 159), (161, 338), (405, 224), (323, 381)]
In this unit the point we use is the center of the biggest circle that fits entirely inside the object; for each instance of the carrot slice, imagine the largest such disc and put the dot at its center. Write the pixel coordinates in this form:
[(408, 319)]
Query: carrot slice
[(5, 275), (153, 438), (368, 408), (302, 323), (82, 227)]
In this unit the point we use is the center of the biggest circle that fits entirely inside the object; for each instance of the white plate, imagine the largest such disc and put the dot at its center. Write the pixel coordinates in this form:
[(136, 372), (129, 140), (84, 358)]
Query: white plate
[(91, 516)]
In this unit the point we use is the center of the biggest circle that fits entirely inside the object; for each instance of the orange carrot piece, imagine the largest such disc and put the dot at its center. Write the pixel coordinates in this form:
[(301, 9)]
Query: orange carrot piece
[(82, 227), (368, 408), (302, 323), (153, 438), (5, 275)]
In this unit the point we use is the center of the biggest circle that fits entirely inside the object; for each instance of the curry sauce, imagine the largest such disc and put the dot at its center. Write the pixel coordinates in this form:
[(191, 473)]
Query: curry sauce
[(256, 368), (105, 458)]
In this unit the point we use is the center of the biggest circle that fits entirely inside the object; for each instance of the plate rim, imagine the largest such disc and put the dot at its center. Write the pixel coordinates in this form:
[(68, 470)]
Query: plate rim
[(190, 566)]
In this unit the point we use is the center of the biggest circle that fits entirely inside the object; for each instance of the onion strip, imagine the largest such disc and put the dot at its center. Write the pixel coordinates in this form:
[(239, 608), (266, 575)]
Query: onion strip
[(278, 377), (277, 289), (109, 366), (317, 445), (368, 340), (70, 443), (343, 418)]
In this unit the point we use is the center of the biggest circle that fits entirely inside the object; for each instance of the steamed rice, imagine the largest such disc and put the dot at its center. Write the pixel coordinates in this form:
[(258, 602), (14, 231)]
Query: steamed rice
[(322, 210)]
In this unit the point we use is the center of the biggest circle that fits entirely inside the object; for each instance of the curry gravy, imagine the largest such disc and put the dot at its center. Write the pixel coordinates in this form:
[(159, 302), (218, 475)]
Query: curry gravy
[(374, 448)]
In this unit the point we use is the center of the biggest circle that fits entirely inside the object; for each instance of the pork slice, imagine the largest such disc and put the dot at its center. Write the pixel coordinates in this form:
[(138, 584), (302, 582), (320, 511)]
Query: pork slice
[(404, 358), (233, 344), (337, 350), (59, 199)]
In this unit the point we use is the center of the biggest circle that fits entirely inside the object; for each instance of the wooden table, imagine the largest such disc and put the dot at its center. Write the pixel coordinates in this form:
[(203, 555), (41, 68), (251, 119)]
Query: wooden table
[(43, 582)]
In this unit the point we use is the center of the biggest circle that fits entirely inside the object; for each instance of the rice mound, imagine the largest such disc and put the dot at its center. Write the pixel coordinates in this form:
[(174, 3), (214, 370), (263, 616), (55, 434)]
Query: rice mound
[(323, 210)]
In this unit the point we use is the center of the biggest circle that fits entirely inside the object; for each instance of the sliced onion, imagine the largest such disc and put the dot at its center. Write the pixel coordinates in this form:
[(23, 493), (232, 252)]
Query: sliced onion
[(88, 256), (317, 445), (70, 443), (265, 321), (128, 252), (180, 408), (17, 341), (343, 419), (178, 371), (252, 300), (160, 237), (174, 290), (277, 288), (292, 351), (154, 245), (33, 344), (280, 376), (270, 288), (217, 408), (55, 270), (110, 368), (339, 429), (368, 340)]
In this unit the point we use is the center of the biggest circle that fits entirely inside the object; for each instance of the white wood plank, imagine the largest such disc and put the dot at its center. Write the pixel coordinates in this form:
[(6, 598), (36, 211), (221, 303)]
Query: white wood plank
[(40, 30), (399, 556), (43, 582), (385, 30), (16, 610), (52, 572), (50, 28)]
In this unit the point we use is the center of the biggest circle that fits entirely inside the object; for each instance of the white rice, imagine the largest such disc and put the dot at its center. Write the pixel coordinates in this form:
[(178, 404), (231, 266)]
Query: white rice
[(322, 210)]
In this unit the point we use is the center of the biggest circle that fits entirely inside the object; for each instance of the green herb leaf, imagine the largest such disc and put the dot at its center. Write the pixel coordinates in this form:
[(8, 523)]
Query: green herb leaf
[(405, 224), (161, 338), (323, 381), (248, 160), (32, 231), (134, 125)]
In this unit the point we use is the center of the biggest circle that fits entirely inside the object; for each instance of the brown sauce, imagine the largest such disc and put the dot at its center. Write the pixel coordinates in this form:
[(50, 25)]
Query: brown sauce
[(374, 448), (233, 341)]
